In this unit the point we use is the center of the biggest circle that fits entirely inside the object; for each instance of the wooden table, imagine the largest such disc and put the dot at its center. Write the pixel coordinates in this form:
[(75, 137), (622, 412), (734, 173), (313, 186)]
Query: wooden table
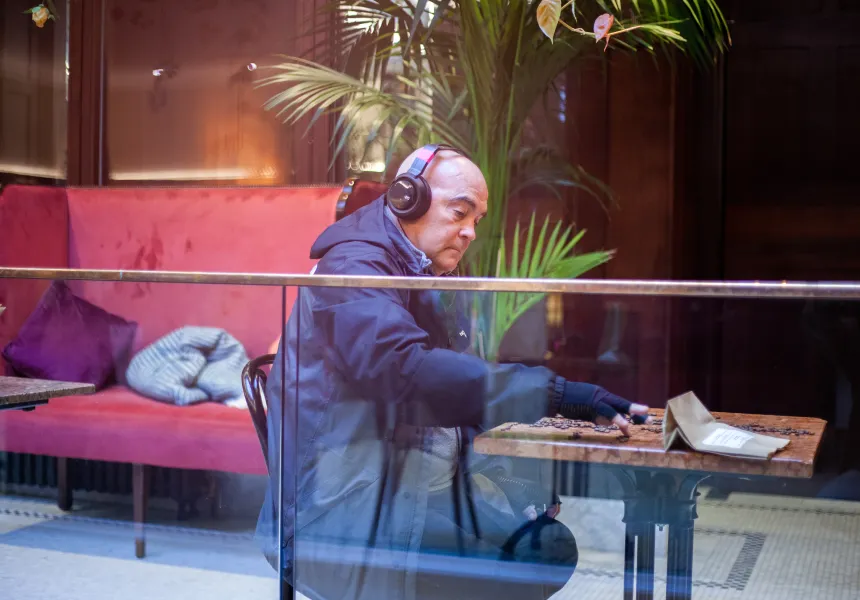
[(659, 487), (23, 393)]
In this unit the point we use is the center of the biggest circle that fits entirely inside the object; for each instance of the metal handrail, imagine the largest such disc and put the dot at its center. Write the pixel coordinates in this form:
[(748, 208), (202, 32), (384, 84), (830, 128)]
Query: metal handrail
[(631, 287)]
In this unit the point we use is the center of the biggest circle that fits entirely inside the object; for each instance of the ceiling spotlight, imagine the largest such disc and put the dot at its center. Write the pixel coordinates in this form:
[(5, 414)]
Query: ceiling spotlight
[(157, 72), (252, 66)]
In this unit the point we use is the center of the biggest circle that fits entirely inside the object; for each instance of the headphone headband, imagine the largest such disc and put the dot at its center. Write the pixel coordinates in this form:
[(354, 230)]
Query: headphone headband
[(424, 155)]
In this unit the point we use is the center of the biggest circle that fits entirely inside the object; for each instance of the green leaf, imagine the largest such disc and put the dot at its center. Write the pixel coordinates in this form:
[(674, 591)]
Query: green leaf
[(515, 252), (538, 248)]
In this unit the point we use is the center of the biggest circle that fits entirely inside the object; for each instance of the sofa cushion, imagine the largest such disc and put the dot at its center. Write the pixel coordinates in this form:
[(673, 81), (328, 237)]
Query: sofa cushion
[(67, 338), (118, 425), (250, 230)]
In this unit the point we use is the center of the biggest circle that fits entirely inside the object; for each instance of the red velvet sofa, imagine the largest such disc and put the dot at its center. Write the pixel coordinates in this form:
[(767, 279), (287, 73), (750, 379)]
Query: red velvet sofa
[(266, 230)]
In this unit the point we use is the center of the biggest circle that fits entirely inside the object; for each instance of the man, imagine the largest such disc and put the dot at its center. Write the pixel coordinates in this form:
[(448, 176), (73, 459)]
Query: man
[(388, 405)]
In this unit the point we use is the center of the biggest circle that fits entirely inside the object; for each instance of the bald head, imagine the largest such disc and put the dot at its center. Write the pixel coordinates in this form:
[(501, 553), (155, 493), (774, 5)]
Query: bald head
[(458, 202)]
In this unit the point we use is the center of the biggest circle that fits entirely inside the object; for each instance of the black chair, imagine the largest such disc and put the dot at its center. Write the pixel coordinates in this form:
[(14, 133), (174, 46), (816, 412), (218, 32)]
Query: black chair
[(254, 386), (254, 380)]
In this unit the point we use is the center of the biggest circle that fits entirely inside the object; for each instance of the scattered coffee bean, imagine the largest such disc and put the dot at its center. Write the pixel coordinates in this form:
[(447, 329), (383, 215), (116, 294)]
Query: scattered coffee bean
[(756, 428)]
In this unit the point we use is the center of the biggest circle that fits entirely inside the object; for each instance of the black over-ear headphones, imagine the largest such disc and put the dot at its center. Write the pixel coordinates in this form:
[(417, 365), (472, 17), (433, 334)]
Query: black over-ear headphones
[(409, 194)]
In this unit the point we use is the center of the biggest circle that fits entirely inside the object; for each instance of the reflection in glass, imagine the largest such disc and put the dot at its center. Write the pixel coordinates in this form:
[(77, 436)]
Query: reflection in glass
[(402, 489), (155, 474)]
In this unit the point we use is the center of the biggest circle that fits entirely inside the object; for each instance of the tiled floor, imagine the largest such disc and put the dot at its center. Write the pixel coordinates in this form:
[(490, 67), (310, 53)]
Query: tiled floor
[(749, 546), (746, 547)]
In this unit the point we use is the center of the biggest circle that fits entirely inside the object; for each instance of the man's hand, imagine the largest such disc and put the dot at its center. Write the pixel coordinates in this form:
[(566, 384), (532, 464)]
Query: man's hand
[(590, 402), (639, 412)]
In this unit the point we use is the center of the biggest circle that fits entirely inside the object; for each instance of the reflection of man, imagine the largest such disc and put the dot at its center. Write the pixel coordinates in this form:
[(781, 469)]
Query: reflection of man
[(388, 406)]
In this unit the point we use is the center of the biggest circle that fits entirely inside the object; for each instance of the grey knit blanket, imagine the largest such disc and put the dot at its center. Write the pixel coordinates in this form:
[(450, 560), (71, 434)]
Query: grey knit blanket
[(190, 365)]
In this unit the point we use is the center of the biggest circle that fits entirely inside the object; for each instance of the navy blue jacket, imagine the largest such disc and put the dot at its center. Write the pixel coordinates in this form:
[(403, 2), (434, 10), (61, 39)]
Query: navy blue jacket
[(371, 371)]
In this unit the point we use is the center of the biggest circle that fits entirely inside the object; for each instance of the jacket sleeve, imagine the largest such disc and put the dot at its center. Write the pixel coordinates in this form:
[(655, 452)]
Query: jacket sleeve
[(373, 343)]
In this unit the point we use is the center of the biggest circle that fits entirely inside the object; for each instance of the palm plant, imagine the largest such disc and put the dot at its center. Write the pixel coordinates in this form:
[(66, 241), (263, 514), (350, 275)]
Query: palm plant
[(470, 73)]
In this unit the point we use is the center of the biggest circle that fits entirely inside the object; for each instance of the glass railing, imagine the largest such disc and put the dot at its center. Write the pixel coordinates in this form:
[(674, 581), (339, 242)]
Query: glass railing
[(130, 464), (418, 447)]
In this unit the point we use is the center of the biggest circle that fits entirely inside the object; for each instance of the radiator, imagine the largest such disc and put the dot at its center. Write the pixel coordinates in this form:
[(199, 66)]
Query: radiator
[(97, 476)]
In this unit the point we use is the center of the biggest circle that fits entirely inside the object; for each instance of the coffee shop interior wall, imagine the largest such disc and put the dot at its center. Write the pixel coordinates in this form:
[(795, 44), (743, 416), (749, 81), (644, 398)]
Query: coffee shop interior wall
[(741, 171)]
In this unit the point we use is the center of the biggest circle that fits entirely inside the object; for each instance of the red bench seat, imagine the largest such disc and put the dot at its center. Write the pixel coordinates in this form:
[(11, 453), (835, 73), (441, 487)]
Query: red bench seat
[(259, 230), (118, 425)]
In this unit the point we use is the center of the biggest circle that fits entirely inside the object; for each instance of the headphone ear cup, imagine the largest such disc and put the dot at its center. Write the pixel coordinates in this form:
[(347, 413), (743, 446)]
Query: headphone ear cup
[(422, 200), (409, 197)]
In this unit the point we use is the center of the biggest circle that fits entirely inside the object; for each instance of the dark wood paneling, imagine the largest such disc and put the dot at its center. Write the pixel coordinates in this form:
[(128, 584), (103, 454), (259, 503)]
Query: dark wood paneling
[(587, 123), (698, 228), (793, 188), (794, 242), (85, 131), (792, 202), (641, 172), (621, 121), (312, 151)]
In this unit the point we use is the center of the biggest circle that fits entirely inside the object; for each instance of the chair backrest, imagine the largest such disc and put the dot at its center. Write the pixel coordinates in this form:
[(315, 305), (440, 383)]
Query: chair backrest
[(357, 193), (254, 386)]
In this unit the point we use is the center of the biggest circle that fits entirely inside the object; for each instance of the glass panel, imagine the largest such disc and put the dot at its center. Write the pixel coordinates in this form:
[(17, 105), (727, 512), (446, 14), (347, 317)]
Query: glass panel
[(33, 79), (181, 103), (423, 469), (152, 486)]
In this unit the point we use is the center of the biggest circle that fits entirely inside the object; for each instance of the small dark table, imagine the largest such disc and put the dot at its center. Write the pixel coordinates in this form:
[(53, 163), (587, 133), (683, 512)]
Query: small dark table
[(659, 487), (22, 393)]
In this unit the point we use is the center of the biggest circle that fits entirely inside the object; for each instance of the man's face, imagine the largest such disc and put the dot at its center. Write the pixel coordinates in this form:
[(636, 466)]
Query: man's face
[(459, 202)]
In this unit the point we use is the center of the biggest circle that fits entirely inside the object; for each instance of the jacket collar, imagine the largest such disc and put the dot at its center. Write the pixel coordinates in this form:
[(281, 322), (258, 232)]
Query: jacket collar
[(415, 258)]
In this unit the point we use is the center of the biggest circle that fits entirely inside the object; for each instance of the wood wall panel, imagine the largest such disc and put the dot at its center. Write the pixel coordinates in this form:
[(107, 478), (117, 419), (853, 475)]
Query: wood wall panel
[(792, 208), (817, 243), (86, 135), (621, 120), (312, 152), (641, 172)]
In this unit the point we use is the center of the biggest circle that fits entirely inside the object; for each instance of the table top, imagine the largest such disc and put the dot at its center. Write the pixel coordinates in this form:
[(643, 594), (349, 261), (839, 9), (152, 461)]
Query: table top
[(21, 391), (581, 441)]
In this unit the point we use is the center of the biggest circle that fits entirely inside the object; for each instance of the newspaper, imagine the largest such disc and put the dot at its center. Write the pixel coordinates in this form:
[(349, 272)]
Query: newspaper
[(686, 419)]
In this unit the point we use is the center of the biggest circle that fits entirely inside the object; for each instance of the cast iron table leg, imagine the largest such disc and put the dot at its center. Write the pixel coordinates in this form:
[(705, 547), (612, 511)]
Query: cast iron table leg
[(658, 498), (679, 515), (679, 582), (645, 562), (629, 561)]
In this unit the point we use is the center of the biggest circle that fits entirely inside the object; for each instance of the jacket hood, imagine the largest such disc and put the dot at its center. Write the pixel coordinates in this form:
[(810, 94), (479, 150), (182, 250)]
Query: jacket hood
[(370, 225), (364, 225)]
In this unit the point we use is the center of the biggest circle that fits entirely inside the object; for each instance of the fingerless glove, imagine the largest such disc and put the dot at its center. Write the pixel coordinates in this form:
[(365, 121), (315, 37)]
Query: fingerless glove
[(586, 401)]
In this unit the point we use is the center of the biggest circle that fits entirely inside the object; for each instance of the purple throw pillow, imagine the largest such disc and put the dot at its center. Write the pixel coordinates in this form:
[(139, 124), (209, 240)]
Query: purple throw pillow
[(67, 338)]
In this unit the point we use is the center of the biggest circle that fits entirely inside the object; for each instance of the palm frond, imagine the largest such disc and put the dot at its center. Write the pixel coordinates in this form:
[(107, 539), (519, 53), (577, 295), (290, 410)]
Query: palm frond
[(538, 257), (312, 90)]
